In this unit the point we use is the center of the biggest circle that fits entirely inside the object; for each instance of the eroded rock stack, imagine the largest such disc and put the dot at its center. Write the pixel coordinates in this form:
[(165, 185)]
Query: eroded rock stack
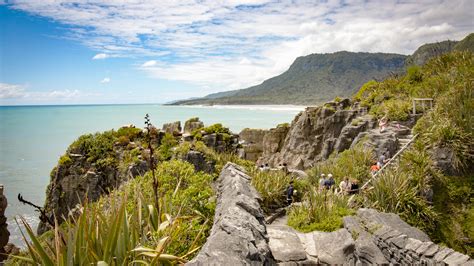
[(318, 132), (238, 236), (252, 143), (4, 234)]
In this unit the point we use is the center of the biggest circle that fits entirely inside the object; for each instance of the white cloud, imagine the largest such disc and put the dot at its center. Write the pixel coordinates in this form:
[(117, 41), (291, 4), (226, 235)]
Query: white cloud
[(61, 94), (149, 63), (100, 56), (241, 43), (105, 80), (11, 91)]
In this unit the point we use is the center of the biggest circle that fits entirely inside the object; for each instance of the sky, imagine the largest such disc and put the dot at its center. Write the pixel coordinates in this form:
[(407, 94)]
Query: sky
[(116, 51)]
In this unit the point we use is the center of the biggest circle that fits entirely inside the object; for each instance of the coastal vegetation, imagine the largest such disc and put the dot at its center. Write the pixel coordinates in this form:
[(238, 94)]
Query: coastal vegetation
[(165, 213), (439, 201)]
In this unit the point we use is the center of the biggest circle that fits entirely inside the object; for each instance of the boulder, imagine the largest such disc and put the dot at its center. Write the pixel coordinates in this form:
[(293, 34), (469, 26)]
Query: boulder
[(192, 124), (333, 247), (285, 244), (238, 235), (200, 162), (380, 143), (172, 128), (138, 168)]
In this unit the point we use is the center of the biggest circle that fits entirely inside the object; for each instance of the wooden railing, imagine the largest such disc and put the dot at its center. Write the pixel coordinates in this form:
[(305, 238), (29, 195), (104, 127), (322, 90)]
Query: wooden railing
[(389, 161)]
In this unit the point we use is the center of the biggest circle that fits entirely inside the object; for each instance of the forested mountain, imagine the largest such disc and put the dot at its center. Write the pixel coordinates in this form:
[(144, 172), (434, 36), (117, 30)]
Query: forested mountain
[(316, 78)]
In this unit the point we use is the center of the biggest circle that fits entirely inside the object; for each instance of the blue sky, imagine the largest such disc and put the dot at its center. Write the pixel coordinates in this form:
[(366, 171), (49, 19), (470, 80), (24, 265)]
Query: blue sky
[(84, 52)]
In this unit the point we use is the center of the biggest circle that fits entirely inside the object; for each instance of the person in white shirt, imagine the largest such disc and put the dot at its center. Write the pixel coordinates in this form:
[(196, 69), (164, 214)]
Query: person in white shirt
[(345, 186)]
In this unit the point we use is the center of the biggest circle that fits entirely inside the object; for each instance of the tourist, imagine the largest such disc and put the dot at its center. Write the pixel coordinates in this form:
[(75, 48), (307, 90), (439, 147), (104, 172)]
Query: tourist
[(374, 169), (284, 168), (266, 167), (383, 122), (329, 183), (289, 193), (382, 160), (354, 187), (345, 186), (322, 180)]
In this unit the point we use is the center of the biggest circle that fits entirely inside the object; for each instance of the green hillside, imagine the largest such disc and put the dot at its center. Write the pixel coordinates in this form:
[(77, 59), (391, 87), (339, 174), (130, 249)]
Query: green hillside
[(314, 79), (317, 78)]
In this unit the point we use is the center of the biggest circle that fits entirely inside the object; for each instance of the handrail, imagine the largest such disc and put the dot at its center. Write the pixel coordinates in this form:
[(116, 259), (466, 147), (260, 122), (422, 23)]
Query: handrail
[(390, 161)]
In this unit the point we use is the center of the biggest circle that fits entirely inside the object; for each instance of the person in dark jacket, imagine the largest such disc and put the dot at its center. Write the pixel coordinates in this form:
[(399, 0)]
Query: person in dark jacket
[(289, 193)]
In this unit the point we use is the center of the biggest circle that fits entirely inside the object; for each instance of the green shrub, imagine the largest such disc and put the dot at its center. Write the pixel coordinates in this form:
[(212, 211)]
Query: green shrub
[(94, 146), (321, 211), (285, 125), (353, 163), (165, 151), (414, 74), (272, 186), (129, 132), (395, 191), (65, 160)]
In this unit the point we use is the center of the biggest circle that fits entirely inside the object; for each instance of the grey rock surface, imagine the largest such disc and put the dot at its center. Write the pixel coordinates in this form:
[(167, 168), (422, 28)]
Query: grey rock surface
[(173, 128), (334, 247), (285, 244), (4, 234), (314, 134), (192, 124), (238, 235), (200, 162), (393, 221), (252, 143)]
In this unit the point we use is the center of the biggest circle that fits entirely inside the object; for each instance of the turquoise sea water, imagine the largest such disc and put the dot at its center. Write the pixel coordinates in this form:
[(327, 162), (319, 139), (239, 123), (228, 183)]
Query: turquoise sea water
[(33, 137)]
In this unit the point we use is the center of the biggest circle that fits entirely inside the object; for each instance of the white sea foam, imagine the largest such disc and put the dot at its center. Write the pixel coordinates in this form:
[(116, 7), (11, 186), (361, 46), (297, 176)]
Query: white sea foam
[(295, 108)]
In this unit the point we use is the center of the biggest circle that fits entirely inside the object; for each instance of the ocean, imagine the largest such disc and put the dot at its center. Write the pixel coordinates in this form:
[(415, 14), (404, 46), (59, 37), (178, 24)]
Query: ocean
[(33, 137)]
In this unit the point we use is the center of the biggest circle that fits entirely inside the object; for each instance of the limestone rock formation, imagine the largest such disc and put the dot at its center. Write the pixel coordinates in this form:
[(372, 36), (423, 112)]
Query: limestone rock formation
[(81, 180), (316, 133), (192, 124), (252, 143), (238, 236), (273, 142), (172, 128), (200, 162), (4, 234), (385, 238), (221, 142)]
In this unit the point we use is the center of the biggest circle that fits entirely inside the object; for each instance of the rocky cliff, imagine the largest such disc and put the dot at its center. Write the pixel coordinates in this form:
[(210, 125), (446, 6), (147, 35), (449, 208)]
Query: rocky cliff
[(4, 234), (318, 132), (97, 163)]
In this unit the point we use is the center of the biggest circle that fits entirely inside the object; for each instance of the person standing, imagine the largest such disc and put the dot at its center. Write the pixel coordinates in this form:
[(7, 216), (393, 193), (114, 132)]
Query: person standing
[(329, 182), (322, 181), (289, 193), (345, 186)]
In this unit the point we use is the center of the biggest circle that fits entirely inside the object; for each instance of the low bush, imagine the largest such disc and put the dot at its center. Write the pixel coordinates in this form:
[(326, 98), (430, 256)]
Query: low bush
[(272, 187), (321, 211), (65, 160), (353, 163)]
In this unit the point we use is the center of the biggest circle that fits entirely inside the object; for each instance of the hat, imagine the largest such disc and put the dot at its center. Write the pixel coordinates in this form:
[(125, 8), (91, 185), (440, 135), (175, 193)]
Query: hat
[(329, 175), (323, 175)]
